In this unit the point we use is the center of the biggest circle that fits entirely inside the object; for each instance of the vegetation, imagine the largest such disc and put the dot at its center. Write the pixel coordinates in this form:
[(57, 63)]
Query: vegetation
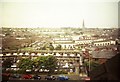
[(47, 46), (50, 46), (59, 47), (93, 64), (7, 63), (42, 62), (25, 64)]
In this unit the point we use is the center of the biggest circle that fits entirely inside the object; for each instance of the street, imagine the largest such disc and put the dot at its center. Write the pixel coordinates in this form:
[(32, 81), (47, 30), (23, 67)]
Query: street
[(72, 78)]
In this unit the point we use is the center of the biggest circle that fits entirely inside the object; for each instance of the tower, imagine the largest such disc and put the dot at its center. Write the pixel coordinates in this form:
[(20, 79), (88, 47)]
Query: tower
[(83, 25)]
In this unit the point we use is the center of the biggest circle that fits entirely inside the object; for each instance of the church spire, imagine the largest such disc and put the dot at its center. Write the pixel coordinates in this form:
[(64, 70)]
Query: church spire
[(83, 25)]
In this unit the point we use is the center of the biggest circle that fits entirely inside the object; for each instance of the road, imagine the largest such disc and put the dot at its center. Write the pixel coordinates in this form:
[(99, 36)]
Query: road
[(44, 81), (74, 78)]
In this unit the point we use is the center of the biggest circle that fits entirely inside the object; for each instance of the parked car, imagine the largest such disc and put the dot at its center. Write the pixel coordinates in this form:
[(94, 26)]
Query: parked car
[(50, 77), (5, 77), (27, 76), (62, 77), (85, 78), (16, 76), (36, 77)]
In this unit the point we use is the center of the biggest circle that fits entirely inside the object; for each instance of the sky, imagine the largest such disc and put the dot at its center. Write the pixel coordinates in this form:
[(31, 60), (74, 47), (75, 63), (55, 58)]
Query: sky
[(59, 13)]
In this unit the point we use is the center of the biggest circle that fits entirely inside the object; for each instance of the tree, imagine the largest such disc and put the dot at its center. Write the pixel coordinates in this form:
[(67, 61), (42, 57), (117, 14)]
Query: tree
[(46, 62), (42, 62), (51, 63), (39, 62), (93, 64), (59, 47), (50, 46), (25, 64), (7, 63)]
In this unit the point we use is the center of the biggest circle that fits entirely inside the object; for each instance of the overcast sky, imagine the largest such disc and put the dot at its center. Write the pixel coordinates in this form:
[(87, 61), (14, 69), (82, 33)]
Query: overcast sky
[(59, 13)]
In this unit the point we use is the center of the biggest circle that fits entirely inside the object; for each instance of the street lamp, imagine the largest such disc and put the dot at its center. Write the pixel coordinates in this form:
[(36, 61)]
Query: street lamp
[(89, 62)]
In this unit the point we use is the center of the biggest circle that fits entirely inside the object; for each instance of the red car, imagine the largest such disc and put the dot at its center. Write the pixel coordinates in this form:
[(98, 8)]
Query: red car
[(5, 77), (27, 76), (85, 78)]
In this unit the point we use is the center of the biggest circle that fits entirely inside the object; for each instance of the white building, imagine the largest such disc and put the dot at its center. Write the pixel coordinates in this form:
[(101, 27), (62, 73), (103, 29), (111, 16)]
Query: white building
[(83, 41), (104, 43), (65, 42)]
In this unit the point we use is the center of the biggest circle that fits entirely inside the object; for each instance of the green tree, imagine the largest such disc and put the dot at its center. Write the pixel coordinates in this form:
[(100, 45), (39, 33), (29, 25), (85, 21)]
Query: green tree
[(39, 62), (59, 47), (50, 46), (93, 64), (25, 64), (46, 62), (42, 62), (7, 63), (51, 63)]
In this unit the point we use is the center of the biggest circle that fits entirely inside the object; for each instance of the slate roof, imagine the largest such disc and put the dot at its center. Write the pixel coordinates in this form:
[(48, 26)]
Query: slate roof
[(103, 54)]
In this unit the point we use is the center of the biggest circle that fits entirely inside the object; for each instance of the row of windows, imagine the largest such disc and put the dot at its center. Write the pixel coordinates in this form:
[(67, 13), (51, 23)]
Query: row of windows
[(33, 54), (102, 44)]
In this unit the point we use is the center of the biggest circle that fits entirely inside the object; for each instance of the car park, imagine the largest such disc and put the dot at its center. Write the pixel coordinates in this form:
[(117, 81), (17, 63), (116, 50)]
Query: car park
[(27, 76), (37, 77), (62, 77), (15, 76), (50, 77), (5, 77)]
